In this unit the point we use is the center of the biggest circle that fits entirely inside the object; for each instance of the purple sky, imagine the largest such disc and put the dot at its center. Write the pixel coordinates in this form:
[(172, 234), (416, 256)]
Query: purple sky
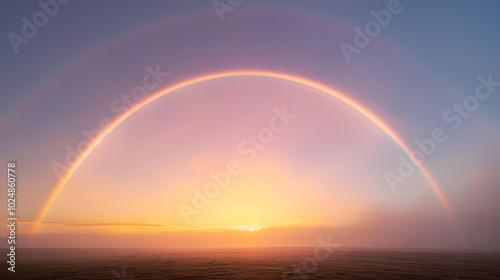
[(81, 67)]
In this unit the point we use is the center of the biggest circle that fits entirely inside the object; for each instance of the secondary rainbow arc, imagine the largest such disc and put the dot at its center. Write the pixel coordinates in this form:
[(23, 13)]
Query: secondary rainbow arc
[(344, 98)]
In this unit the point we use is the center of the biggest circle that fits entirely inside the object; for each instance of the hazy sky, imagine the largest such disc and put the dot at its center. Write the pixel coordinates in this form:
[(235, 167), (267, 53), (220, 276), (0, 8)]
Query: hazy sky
[(322, 171)]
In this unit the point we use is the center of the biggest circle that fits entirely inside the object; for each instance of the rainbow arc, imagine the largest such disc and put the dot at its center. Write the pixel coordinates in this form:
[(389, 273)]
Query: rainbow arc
[(344, 98)]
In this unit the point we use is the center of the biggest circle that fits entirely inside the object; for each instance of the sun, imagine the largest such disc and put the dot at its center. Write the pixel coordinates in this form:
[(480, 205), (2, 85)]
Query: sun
[(251, 228)]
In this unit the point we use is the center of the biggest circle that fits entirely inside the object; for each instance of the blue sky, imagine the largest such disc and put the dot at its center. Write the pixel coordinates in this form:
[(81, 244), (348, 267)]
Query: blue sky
[(424, 61)]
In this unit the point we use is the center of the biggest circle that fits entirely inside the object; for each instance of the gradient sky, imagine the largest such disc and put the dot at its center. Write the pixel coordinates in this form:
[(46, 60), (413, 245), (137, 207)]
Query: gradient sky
[(323, 174)]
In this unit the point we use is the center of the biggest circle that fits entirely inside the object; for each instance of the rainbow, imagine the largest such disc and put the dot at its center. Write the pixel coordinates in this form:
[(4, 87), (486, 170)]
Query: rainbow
[(344, 98)]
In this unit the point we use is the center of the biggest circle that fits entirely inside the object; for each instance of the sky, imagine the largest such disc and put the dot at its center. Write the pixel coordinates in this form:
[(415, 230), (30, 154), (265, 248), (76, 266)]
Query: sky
[(252, 123)]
